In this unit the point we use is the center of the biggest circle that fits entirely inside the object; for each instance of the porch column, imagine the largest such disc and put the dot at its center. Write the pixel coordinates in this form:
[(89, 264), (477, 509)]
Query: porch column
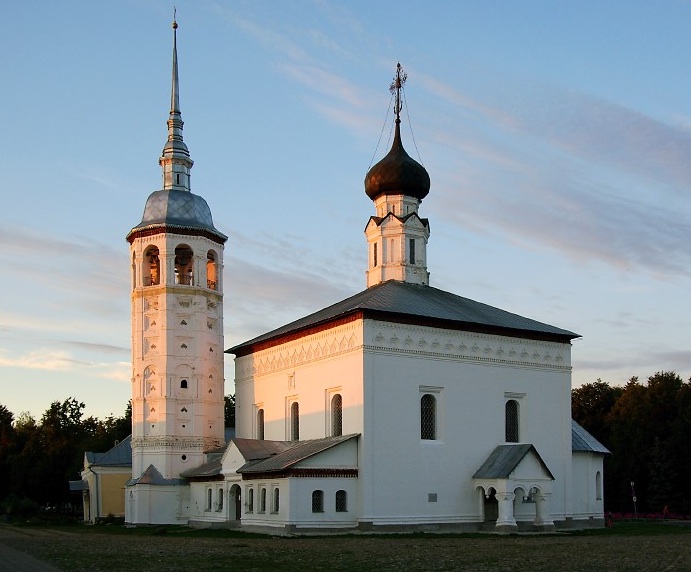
[(506, 519), (543, 514)]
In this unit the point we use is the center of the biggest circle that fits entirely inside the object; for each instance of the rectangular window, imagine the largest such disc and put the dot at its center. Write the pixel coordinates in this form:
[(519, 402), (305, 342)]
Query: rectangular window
[(412, 251)]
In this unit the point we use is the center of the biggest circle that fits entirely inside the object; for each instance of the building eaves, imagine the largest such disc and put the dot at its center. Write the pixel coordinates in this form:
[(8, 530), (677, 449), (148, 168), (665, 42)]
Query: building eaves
[(504, 460), (296, 452), (582, 441), (402, 302)]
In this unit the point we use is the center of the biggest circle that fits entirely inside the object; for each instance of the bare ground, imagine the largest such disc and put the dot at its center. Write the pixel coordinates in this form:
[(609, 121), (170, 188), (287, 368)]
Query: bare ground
[(81, 549)]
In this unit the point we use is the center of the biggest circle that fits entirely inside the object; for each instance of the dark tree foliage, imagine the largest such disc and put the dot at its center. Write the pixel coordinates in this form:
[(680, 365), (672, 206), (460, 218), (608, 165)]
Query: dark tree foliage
[(38, 459), (645, 426), (229, 410)]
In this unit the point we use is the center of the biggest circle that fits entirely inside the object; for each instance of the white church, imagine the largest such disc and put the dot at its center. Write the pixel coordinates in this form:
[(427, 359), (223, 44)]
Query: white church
[(403, 407)]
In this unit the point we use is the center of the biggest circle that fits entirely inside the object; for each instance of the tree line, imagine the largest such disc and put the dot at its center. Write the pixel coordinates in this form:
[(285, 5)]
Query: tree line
[(38, 458), (646, 426)]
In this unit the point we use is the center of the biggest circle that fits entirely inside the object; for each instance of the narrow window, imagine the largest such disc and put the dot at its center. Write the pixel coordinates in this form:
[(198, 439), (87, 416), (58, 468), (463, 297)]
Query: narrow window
[(341, 501), (598, 486), (295, 421), (511, 421), (250, 499), (276, 499), (177, 178), (262, 499), (391, 250), (412, 251), (260, 424), (317, 501), (336, 415), (152, 267), (211, 279), (375, 254), (183, 265), (220, 500), (428, 417), (183, 384), (208, 499)]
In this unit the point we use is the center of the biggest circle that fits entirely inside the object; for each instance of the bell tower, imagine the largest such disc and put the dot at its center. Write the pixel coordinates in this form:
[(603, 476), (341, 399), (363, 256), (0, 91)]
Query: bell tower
[(396, 235), (176, 257)]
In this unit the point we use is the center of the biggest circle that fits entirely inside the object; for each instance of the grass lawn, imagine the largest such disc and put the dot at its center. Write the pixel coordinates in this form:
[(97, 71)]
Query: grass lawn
[(626, 546)]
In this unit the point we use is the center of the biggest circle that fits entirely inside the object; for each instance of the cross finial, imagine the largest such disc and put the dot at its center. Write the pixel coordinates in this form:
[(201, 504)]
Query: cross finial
[(175, 12), (396, 85)]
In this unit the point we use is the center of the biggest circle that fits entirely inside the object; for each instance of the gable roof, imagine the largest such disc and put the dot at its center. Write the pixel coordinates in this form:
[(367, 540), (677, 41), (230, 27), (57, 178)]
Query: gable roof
[(582, 441), (152, 477), (119, 455), (292, 453), (397, 301), (505, 458)]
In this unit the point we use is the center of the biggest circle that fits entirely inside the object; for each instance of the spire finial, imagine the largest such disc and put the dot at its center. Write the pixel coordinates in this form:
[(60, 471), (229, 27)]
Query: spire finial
[(396, 86), (174, 95), (175, 160)]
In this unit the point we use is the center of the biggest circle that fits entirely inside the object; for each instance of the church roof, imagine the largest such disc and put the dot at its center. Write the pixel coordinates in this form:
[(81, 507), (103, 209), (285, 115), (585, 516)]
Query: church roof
[(152, 477), (293, 452), (583, 441), (118, 456), (403, 302), (178, 209), (504, 459)]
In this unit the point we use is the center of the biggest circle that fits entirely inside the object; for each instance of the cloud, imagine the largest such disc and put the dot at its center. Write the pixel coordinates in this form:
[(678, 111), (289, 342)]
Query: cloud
[(40, 359), (568, 172)]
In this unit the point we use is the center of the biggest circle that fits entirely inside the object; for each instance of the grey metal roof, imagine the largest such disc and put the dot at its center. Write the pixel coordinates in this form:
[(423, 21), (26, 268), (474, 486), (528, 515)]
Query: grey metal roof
[(208, 469), (77, 486), (583, 441), (177, 208), (258, 449), (504, 459), (153, 477), (411, 303), (295, 452), (119, 455)]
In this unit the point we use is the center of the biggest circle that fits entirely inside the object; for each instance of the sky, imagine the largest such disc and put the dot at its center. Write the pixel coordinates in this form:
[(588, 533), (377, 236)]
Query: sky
[(557, 136)]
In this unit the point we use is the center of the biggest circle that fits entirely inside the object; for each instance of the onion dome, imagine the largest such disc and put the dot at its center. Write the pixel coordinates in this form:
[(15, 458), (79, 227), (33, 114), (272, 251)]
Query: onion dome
[(397, 174)]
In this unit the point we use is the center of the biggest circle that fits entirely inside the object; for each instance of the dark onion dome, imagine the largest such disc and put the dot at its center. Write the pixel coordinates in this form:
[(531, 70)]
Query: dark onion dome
[(397, 174), (172, 208)]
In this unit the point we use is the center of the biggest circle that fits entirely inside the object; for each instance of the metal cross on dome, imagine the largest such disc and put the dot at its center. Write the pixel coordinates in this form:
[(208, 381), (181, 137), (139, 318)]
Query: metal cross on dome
[(396, 86)]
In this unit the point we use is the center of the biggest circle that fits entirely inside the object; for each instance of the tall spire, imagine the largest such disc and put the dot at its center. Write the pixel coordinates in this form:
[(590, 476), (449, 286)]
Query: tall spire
[(175, 159)]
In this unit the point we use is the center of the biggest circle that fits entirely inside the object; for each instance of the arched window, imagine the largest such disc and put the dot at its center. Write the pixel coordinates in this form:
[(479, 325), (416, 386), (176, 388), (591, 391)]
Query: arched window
[(428, 417), (336, 415), (317, 501), (183, 384), (511, 421), (260, 424), (276, 499), (598, 486), (134, 271), (211, 271), (295, 421), (250, 499), (151, 270), (184, 259), (262, 499), (220, 500), (208, 499), (341, 501)]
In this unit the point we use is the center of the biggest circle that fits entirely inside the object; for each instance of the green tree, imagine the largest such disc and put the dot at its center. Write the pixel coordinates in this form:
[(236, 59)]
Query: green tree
[(229, 410)]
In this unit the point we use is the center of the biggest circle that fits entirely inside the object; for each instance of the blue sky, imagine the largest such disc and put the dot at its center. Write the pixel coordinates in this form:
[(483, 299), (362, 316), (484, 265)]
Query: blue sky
[(557, 136)]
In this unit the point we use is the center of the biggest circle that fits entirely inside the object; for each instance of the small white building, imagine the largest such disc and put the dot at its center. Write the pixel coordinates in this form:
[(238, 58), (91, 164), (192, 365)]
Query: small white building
[(402, 407)]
